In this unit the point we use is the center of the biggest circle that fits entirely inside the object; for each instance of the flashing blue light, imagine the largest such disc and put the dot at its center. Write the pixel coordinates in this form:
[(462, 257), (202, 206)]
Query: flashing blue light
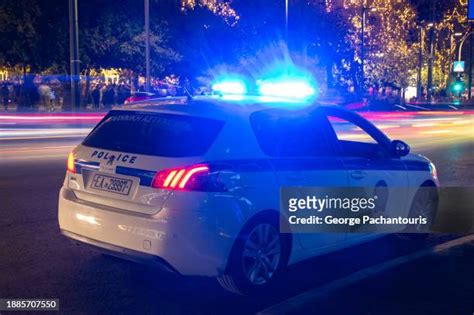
[(287, 88), (232, 87)]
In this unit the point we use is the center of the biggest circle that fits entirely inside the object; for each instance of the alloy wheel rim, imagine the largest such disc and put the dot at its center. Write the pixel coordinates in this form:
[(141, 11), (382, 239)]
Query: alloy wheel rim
[(261, 255)]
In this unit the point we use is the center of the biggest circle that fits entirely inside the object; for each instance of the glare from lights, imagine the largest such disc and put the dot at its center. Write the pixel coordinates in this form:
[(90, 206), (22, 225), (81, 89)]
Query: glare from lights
[(87, 218), (458, 87), (233, 87), (287, 88)]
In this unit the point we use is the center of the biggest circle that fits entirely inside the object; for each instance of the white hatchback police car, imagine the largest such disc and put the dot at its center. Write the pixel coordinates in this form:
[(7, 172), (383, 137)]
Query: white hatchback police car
[(192, 185)]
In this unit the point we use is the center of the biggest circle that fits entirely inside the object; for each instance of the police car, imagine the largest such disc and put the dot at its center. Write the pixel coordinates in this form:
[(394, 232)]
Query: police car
[(192, 185)]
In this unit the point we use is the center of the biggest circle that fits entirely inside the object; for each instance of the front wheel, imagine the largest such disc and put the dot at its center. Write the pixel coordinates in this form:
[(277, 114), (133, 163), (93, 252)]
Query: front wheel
[(258, 256), (424, 205)]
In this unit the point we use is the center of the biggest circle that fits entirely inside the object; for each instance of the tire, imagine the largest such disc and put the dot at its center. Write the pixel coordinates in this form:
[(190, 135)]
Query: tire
[(259, 255), (425, 204)]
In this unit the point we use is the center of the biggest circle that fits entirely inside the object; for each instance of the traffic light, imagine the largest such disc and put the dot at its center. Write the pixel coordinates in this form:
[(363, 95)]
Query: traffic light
[(457, 87)]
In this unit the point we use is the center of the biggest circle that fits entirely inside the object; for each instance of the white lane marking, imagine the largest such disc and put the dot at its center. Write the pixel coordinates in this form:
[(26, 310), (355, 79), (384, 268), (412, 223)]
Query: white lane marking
[(297, 301), (418, 107)]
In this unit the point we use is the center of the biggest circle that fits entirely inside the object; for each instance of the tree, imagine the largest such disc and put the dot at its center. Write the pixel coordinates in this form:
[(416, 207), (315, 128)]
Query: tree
[(115, 38), (35, 34), (452, 18), (32, 34), (390, 55)]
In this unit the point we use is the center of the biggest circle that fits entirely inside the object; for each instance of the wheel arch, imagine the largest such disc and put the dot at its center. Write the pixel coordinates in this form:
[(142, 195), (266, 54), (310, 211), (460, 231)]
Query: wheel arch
[(428, 183)]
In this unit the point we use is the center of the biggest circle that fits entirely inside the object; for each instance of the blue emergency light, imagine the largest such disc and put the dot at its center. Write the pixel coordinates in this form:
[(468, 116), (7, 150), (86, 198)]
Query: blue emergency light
[(290, 88), (296, 88), (230, 87)]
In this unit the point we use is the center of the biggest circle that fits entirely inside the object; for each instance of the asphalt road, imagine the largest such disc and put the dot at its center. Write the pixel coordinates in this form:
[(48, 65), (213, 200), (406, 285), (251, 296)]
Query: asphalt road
[(36, 261)]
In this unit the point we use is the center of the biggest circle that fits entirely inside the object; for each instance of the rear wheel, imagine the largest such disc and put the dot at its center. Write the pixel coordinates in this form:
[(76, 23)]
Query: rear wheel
[(258, 256)]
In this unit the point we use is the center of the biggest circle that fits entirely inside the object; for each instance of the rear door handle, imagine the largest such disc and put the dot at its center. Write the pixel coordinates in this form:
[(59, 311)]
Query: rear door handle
[(358, 174)]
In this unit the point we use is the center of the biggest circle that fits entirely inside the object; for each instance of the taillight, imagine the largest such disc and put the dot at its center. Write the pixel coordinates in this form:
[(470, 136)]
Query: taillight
[(197, 177), (71, 167)]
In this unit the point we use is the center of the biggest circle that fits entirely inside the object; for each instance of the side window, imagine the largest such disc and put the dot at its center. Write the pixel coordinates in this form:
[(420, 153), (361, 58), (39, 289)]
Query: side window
[(281, 134), (346, 130), (354, 141)]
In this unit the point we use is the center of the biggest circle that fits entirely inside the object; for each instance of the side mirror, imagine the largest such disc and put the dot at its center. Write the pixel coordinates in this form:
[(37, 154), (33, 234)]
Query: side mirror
[(399, 148)]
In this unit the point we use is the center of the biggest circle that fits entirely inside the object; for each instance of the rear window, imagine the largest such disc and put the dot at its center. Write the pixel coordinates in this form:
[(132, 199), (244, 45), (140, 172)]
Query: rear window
[(159, 134)]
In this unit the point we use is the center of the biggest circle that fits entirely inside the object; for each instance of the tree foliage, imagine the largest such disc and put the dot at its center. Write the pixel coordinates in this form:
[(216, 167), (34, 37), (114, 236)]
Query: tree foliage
[(35, 34), (191, 37), (115, 38)]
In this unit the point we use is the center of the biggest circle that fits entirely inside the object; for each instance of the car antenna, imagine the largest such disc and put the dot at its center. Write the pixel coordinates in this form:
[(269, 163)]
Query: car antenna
[(189, 96)]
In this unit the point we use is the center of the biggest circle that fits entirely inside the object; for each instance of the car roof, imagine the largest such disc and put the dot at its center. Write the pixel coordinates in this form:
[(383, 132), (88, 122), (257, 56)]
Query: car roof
[(222, 107)]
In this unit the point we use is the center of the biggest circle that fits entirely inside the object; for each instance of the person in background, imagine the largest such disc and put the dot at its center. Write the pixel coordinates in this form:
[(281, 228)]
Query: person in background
[(95, 94), (57, 93), (44, 91), (108, 96), (5, 95)]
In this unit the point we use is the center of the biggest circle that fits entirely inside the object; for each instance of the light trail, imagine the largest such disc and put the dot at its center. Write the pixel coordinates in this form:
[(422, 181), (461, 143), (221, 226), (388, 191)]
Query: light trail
[(35, 133), (420, 130), (52, 117)]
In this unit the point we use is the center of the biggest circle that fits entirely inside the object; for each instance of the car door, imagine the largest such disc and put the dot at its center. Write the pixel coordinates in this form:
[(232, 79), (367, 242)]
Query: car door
[(366, 156), (302, 157)]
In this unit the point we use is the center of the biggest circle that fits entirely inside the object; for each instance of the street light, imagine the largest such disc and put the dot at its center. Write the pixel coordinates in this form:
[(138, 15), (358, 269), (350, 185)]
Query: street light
[(147, 45), (429, 83), (470, 59), (462, 43), (420, 65), (452, 42), (286, 22)]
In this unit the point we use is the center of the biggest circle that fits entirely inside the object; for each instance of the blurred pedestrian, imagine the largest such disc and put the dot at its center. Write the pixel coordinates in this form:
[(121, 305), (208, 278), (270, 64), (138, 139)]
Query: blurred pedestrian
[(95, 94), (108, 96), (45, 94)]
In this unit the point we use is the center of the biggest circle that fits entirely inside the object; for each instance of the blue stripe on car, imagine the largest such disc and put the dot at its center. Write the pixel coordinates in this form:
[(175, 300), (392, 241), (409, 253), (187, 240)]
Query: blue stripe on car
[(266, 165), (80, 164)]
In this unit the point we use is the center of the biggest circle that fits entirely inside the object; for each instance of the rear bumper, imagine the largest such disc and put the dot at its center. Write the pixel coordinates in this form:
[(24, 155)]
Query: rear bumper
[(188, 242), (120, 252)]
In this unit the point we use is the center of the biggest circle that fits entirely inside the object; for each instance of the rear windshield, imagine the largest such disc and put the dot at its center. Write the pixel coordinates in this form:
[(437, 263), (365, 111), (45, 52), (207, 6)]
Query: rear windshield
[(159, 134)]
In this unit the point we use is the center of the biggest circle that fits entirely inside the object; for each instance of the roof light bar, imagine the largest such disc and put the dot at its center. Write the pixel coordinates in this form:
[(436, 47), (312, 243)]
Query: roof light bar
[(234, 87), (287, 88)]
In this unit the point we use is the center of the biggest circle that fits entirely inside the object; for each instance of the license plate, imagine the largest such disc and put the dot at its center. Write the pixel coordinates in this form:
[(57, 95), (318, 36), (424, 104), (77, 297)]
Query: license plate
[(112, 184)]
